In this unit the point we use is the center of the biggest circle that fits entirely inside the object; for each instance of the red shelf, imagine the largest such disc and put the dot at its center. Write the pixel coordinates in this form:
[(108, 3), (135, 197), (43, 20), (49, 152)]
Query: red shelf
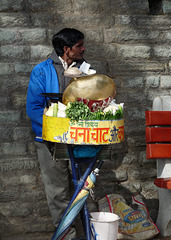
[(158, 134), (157, 150), (158, 138), (158, 118), (163, 183)]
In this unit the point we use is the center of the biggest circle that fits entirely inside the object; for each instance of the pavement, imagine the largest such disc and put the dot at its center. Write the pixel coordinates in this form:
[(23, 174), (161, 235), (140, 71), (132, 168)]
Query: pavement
[(48, 236), (159, 237)]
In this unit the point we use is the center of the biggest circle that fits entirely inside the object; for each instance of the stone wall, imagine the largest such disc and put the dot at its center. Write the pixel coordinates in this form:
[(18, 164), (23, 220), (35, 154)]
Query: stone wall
[(122, 41)]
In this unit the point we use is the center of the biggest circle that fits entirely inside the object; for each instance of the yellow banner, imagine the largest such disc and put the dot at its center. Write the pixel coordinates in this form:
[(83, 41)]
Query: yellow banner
[(95, 132)]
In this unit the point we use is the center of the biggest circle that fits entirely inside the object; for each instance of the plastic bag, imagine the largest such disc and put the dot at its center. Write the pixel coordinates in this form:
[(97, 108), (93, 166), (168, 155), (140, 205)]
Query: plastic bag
[(134, 224)]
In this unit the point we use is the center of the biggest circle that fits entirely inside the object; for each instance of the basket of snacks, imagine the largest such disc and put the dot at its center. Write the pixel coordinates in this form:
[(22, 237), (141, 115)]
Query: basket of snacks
[(88, 114)]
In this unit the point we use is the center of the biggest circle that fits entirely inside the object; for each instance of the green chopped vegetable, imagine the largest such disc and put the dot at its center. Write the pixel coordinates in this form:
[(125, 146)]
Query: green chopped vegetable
[(119, 113), (79, 111)]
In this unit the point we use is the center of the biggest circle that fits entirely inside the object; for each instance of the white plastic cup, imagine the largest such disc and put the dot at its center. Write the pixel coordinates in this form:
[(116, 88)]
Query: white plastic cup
[(104, 225)]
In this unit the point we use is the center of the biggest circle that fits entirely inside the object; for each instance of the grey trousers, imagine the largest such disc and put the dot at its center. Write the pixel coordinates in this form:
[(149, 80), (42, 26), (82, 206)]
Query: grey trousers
[(55, 176)]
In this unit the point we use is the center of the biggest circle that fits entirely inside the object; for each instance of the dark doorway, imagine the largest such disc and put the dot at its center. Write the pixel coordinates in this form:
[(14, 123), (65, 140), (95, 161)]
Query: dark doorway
[(155, 7)]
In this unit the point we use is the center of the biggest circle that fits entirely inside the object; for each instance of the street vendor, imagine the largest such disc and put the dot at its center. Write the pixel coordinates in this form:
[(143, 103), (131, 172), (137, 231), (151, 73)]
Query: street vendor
[(48, 77)]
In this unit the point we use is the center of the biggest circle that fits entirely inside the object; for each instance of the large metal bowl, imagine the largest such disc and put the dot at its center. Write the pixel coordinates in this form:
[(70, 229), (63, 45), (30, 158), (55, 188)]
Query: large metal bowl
[(93, 87)]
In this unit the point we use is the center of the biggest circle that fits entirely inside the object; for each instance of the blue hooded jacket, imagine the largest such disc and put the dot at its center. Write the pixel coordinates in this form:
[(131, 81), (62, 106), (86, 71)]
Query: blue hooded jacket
[(43, 79)]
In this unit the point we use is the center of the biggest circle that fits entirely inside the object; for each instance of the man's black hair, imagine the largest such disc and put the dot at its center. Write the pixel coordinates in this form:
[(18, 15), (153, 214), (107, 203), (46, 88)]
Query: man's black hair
[(66, 37)]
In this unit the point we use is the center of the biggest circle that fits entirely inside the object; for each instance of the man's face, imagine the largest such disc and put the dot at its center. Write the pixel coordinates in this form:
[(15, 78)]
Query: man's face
[(77, 51)]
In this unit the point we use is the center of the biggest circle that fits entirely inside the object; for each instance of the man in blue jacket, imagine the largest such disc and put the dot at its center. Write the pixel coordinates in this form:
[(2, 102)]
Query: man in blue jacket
[(48, 77)]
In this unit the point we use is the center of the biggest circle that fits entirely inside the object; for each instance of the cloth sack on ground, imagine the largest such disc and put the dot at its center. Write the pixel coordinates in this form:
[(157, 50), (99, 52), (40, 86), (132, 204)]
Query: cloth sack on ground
[(134, 224)]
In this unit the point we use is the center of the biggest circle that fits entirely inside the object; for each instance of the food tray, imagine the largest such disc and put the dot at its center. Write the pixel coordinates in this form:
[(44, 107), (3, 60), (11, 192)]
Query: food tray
[(91, 132)]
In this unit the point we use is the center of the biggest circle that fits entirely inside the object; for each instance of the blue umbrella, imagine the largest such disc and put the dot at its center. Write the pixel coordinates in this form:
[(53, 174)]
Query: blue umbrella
[(78, 200)]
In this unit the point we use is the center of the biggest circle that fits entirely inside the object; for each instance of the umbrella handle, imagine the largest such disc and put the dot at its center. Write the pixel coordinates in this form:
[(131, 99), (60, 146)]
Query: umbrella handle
[(96, 170), (100, 164)]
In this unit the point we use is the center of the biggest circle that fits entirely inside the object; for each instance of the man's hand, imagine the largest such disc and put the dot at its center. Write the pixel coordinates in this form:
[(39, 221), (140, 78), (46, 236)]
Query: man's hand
[(45, 110)]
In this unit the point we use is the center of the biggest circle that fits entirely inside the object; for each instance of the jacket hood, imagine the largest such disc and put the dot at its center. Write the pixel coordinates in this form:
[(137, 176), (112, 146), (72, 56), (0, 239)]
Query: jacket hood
[(55, 58)]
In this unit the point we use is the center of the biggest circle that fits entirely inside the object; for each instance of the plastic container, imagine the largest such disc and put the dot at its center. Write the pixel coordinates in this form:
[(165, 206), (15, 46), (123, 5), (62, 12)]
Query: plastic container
[(104, 225), (91, 132)]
